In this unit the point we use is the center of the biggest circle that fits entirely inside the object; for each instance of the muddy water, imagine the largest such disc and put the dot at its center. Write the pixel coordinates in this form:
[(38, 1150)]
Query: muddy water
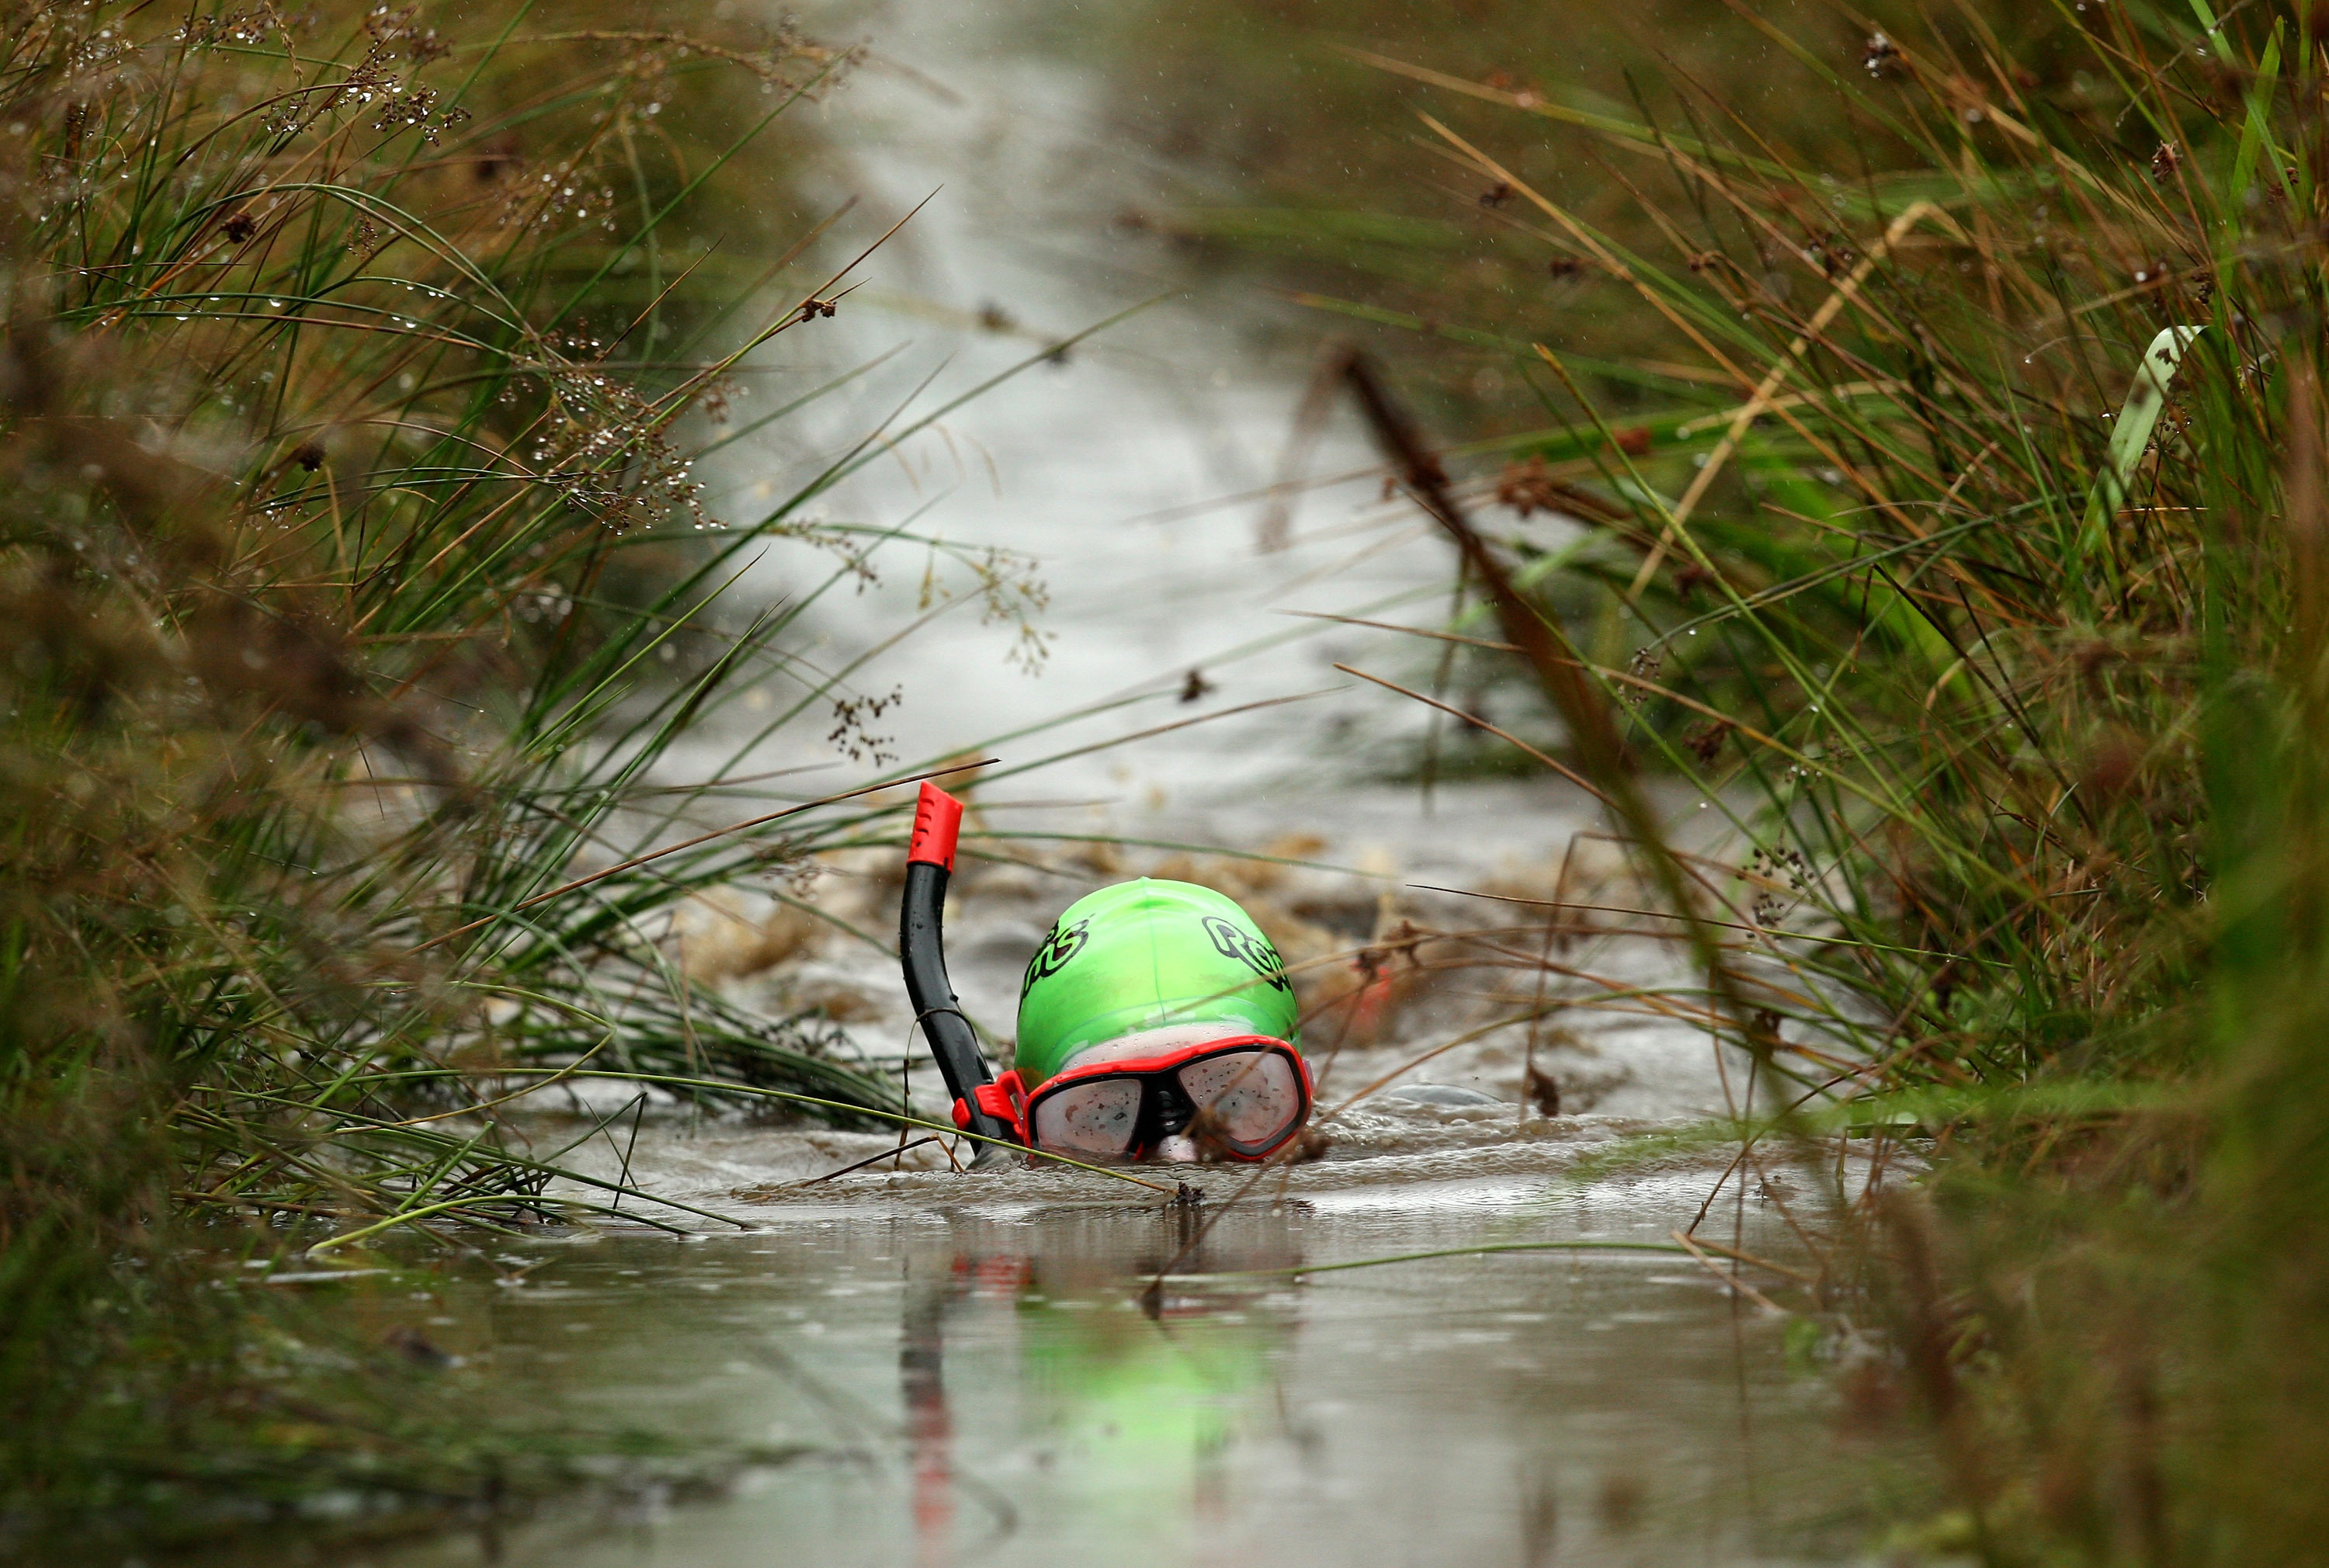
[(936, 1367), (1125, 474)]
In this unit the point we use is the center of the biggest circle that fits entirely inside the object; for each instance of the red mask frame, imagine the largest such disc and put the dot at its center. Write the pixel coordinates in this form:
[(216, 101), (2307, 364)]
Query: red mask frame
[(1009, 1099)]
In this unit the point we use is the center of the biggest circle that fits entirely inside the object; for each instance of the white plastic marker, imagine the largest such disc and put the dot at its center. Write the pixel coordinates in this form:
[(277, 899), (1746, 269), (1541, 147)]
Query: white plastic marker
[(2144, 402)]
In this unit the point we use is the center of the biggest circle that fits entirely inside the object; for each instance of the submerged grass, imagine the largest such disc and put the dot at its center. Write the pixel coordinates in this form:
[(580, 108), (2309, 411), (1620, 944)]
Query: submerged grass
[(354, 582), (1951, 518)]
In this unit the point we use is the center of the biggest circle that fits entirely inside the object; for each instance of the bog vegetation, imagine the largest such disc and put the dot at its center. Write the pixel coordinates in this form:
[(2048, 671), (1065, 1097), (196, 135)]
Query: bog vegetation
[(1904, 435), (1915, 427), (353, 577)]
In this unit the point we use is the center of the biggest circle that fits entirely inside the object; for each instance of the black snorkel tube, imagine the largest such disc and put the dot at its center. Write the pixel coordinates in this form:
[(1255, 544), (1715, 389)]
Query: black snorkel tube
[(981, 1106)]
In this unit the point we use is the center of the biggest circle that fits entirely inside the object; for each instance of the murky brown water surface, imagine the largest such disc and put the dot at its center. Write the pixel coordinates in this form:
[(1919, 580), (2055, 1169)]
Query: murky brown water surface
[(940, 1369)]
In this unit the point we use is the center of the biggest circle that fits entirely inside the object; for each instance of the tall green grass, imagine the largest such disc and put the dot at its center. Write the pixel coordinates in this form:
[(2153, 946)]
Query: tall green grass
[(356, 584), (1997, 653)]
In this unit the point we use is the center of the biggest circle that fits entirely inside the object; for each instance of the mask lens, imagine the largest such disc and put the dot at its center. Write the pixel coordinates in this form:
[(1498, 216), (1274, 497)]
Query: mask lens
[(1248, 1100), (1095, 1118)]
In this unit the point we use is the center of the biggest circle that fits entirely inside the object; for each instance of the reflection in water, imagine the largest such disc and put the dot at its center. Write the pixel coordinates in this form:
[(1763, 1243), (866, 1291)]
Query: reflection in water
[(969, 1376), (1147, 1408), (921, 1378)]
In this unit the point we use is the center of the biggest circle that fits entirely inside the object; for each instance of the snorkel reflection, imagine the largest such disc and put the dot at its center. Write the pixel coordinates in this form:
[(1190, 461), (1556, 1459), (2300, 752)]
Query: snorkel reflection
[(929, 1427), (1134, 1402)]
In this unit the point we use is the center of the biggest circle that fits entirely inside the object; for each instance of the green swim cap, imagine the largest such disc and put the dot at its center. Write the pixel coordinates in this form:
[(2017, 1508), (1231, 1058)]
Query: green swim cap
[(1141, 955)]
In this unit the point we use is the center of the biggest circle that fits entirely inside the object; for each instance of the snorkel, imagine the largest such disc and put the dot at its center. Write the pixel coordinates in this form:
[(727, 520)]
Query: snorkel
[(981, 1106)]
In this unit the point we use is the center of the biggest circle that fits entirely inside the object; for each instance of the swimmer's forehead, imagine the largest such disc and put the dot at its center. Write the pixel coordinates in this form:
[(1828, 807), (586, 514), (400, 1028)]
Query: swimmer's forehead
[(1144, 1043)]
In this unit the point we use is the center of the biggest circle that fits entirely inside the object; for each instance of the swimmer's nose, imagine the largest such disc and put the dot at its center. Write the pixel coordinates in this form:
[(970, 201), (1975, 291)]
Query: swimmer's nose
[(1178, 1150), (1174, 1110)]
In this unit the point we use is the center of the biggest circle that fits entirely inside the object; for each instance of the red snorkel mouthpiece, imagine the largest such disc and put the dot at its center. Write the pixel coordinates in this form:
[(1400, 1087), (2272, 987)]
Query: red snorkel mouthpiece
[(1004, 1100)]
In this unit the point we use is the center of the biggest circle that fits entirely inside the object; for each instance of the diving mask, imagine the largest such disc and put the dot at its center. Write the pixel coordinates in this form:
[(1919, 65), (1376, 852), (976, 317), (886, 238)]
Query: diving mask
[(1241, 1095)]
